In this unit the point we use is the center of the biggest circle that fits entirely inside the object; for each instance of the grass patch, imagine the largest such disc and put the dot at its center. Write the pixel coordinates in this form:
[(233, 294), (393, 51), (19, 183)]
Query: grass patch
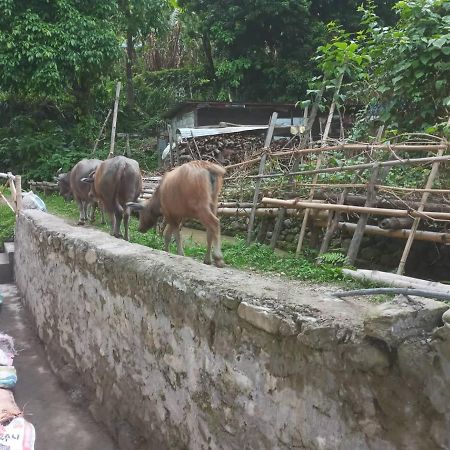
[(254, 257), (7, 222)]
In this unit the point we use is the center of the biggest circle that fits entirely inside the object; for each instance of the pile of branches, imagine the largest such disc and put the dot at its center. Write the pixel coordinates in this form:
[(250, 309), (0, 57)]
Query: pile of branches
[(225, 149)]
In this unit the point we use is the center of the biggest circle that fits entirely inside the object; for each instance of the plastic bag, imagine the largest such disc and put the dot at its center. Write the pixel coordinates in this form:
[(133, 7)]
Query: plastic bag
[(8, 408), (6, 359), (17, 435), (31, 201), (8, 377)]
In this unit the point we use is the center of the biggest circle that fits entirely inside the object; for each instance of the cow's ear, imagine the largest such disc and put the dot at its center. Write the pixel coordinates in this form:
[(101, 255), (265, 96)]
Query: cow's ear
[(87, 180), (135, 206)]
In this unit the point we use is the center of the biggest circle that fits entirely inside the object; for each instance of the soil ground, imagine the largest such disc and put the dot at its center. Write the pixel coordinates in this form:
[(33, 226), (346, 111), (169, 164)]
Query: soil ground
[(59, 423)]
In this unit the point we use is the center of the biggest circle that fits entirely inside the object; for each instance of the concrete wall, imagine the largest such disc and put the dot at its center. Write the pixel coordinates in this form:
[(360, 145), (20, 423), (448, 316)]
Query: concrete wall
[(180, 355)]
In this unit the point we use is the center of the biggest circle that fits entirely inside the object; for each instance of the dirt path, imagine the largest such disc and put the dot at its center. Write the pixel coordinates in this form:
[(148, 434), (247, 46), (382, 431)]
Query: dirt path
[(59, 423)]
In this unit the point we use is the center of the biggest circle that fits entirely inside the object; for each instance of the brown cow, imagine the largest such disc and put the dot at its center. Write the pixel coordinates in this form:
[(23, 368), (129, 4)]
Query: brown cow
[(116, 181), (189, 191), (70, 184)]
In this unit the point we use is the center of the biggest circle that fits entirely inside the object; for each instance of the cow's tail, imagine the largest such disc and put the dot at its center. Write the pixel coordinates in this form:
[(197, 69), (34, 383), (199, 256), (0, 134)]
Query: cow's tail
[(120, 182), (216, 174)]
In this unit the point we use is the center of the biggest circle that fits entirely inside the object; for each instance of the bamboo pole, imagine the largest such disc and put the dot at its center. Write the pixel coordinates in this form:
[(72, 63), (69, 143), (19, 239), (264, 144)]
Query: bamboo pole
[(277, 227), (429, 236), (363, 219), (261, 171), (114, 122), (398, 162), (299, 204), (102, 129), (433, 173), (270, 212), (310, 122), (301, 236), (344, 148), (393, 280)]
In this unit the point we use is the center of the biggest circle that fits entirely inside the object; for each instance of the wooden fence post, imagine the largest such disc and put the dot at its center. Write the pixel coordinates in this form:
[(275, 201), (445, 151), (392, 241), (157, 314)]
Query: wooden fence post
[(18, 186), (114, 122)]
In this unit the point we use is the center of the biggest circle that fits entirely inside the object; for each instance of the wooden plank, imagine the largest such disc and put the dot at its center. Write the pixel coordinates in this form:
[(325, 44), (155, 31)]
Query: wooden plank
[(262, 163), (114, 122)]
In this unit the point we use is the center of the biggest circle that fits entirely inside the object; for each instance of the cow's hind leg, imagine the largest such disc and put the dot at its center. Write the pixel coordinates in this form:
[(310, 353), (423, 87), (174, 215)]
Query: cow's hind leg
[(126, 217), (212, 225), (92, 207), (168, 231), (117, 221), (82, 219)]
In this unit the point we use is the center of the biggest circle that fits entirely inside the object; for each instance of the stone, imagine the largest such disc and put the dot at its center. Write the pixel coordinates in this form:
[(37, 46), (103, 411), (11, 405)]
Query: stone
[(266, 320), (393, 322), (90, 256), (369, 358)]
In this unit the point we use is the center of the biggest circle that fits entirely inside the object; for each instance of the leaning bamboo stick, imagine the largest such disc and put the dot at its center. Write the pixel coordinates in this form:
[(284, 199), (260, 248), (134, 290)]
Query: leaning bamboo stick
[(415, 225), (363, 219), (261, 172), (301, 236), (433, 215)]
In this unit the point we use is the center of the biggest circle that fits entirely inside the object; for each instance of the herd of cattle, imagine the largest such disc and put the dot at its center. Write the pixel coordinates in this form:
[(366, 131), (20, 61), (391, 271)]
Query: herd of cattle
[(190, 191)]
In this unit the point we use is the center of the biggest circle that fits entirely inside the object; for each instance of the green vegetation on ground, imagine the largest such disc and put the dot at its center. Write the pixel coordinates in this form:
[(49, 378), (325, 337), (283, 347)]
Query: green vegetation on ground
[(7, 221), (256, 257)]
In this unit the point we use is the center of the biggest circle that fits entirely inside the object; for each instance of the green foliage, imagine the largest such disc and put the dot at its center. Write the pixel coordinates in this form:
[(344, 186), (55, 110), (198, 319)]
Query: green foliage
[(409, 77), (332, 258), (254, 257), (55, 49), (7, 222)]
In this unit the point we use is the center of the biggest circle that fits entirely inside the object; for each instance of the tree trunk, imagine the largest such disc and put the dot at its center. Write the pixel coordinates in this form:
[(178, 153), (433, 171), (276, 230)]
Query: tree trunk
[(129, 69), (210, 69)]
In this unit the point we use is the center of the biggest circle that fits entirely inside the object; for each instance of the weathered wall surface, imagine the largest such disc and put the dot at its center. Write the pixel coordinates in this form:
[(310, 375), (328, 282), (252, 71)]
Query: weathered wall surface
[(180, 355)]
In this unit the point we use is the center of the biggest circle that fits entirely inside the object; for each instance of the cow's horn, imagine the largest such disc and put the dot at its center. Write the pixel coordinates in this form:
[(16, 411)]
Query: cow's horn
[(59, 171)]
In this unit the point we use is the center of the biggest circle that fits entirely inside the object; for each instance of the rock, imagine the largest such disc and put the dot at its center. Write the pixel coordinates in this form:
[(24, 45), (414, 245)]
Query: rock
[(266, 320), (287, 223), (90, 256), (369, 358), (395, 321), (446, 318)]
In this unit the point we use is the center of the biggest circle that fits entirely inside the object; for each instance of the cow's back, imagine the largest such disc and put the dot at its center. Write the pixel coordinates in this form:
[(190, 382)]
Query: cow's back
[(117, 181), (82, 169), (184, 190)]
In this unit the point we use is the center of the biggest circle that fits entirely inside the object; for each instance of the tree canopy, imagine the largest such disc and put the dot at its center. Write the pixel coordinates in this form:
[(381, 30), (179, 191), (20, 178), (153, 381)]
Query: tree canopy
[(50, 49)]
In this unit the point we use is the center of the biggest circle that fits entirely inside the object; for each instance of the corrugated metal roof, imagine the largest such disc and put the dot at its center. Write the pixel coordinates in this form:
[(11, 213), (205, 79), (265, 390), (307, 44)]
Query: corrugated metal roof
[(187, 133)]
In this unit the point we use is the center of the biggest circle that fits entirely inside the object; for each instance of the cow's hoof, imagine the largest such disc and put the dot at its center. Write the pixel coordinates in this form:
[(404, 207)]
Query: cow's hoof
[(81, 222), (207, 262), (118, 235), (219, 263)]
